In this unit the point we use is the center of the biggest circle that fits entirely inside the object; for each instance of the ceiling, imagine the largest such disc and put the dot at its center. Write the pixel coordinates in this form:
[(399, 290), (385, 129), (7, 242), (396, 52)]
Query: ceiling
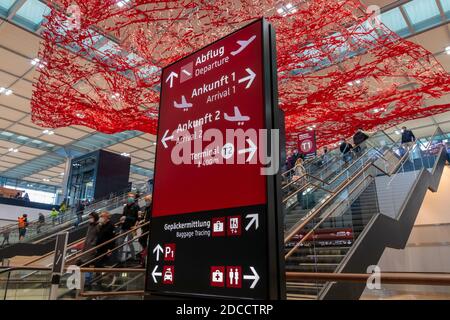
[(40, 156)]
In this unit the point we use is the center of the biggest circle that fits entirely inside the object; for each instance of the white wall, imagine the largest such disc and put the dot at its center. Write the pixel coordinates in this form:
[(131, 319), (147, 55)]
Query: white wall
[(435, 208)]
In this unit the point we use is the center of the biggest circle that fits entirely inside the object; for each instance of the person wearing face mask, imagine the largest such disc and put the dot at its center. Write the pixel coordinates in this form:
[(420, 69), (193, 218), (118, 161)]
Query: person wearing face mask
[(91, 238), (128, 220), (144, 218), (104, 234)]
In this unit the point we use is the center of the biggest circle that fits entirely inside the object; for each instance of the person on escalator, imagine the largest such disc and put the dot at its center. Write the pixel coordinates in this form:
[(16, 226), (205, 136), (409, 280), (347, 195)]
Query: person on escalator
[(23, 224), (40, 222), (324, 157), (105, 233), (358, 140), (128, 221), (54, 215), (346, 150), (91, 238), (407, 136), (79, 212), (5, 234), (144, 218)]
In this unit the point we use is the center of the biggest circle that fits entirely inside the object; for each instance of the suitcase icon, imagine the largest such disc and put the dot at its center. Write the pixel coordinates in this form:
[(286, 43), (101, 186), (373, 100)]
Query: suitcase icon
[(218, 226)]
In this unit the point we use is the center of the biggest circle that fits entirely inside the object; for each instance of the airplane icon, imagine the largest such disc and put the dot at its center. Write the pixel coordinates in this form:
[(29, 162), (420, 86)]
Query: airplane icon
[(183, 105), (238, 117), (243, 44)]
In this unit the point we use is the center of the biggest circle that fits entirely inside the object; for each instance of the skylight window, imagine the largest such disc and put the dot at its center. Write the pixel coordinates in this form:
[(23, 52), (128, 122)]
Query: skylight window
[(5, 6), (32, 13), (393, 19), (422, 13)]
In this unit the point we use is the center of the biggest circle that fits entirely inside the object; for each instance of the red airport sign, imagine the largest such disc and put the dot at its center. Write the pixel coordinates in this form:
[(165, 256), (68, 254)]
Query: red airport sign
[(221, 215)]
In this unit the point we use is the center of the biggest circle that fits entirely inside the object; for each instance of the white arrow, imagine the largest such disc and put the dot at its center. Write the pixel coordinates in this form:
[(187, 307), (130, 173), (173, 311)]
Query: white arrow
[(166, 138), (155, 274), (251, 150), (254, 220), (158, 249), (170, 78), (249, 78), (254, 277)]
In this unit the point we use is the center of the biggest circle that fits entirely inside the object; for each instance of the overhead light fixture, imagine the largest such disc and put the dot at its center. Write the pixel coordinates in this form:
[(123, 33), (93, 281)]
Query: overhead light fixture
[(45, 180), (80, 115), (122, 3), (37, 62), (13, 150), (124, 154), (6, 92), (287, 9), (48, 132), (61, 174), (397, 132), (447, 50)]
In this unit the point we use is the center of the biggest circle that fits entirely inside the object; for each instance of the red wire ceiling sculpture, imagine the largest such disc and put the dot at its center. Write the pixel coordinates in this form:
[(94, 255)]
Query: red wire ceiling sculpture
[(339, 69)]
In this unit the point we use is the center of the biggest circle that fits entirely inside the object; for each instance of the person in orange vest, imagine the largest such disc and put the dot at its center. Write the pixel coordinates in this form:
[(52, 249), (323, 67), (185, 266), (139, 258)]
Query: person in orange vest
[(23, 224)]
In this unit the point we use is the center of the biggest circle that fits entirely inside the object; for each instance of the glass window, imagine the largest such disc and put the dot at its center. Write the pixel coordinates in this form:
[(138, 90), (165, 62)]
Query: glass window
[(31, 13), (5, 5), (393, 19), (446, 7), (37, 196), (7, 134), (423, 14)]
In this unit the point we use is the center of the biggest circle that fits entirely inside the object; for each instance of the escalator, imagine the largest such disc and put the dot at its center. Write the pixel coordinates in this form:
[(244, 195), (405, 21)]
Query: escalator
[(302, 194), (38, 244), (120, 274), (373, 209)]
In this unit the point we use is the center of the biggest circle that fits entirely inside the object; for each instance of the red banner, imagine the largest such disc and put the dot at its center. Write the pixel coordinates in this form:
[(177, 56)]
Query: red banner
[(307, 143)]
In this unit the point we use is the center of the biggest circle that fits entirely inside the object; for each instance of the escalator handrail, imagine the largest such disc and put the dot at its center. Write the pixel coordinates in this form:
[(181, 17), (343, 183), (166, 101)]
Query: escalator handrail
[(302, 176), (77, 256), (308, 161), (417, 278), (438, 130), (71, 210), (333, 179), (297, 229), (310, 232), (115, 248), (302, 188)]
